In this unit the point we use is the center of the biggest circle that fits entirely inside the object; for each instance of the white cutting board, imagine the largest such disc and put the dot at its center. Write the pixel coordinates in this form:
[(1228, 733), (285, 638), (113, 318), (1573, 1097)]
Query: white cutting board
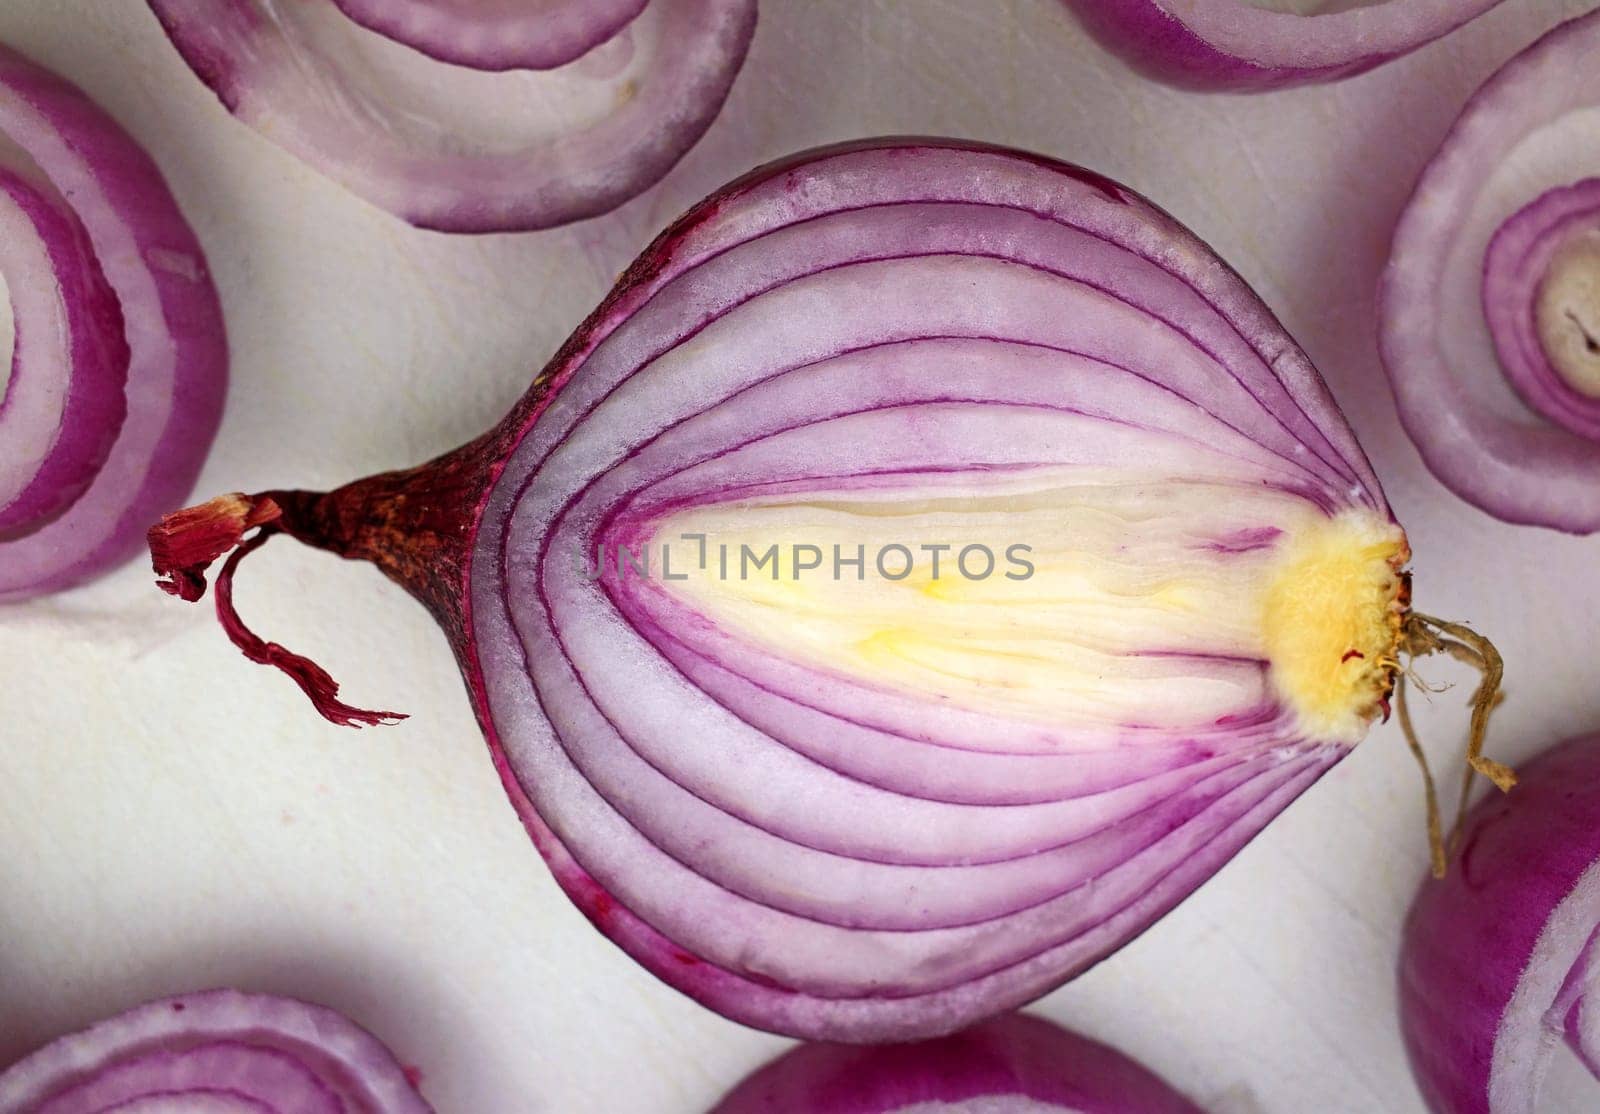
[(173, 817)]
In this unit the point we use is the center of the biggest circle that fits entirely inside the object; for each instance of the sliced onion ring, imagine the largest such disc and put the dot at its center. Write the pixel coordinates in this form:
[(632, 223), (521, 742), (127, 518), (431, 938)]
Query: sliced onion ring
[(1233, 44), (113, 302), (338, 97), (1014, 1065), (497, 34), (1529, 129), (214, 1052), (1500, 961)]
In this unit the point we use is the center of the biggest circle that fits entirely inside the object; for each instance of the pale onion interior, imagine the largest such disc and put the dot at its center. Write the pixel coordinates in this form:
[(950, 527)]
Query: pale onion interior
[(8, 336), (1567, 313), (1126, 577), (1545, 158), (454, 110), (36, 403), (988, 1104)]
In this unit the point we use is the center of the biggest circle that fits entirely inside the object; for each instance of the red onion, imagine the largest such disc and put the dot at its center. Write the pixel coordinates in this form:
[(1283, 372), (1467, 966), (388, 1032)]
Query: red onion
[(1249, 45), (120, 361), (1490, 257), (1013, 1065), (215, 1052), (1500, 958), (467, 150), (883, 807)]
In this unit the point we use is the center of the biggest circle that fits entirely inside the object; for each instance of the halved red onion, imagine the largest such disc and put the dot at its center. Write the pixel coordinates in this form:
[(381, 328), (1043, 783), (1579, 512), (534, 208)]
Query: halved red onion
[(1502, 959), (1489, 256), (497, 34), (888, 806), (119, 361), (1013, 1065), (458, 149), (1252, 45), (214, 1052)]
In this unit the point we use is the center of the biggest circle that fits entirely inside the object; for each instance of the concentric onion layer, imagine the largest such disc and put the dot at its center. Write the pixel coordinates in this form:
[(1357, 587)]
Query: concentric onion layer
[(120, 360), (1500, 958), (497, 34), (214, 1052), (913, 340), (1541, 297), (458, 149), (1449, 300), (62, 404), (1013, 1065), (1239, 44)]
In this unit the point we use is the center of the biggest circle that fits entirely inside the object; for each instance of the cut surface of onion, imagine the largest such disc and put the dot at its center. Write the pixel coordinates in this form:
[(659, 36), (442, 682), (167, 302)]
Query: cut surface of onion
[(462, 149), (927, 567), (1502, 959), (214, 1052), (118, 360), (1012, 1065), (497, 34), (1490, 306), (1244, 45)]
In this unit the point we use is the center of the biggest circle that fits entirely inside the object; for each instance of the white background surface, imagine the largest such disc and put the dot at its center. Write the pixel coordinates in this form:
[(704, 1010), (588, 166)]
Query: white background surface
[(173, 817)]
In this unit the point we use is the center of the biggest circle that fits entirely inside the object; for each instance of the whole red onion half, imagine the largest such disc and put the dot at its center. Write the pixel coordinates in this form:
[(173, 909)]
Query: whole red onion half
[(1502, 957), (118, 356), (1012, 1065), (872, 802), (214, 1052), (449, 113), (1245, 45), (1490, 307)]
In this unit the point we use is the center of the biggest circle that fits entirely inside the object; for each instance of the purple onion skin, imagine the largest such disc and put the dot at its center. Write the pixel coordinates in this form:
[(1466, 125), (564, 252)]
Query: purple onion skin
[(1153, 42), (1014, 1056), (261, 1052), (179, 352), (1470, 938)]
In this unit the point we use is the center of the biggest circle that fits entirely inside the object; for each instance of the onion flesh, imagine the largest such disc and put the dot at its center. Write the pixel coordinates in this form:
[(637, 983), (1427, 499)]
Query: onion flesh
[(1012, 1065), (883, 808), (214, 1052), (1234, 44), (1483, 262), (119, 358), (1499, 961), (458, 149)]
